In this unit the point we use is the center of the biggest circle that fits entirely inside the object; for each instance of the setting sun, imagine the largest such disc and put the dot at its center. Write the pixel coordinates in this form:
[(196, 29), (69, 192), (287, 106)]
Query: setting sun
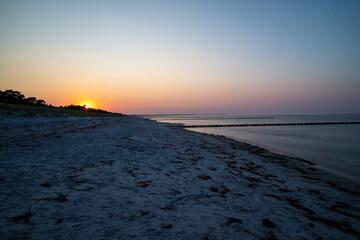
[(87, 104)]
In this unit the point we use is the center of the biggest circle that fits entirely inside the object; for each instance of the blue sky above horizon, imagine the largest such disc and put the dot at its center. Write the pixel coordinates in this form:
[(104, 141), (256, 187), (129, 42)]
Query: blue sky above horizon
[(240, 57)]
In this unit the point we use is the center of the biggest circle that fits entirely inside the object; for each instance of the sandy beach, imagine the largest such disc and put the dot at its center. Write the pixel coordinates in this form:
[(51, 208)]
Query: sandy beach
[(131, 178)]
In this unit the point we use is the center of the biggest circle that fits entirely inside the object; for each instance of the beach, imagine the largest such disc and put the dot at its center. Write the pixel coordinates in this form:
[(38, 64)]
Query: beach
[(131, 178), (318, 138)]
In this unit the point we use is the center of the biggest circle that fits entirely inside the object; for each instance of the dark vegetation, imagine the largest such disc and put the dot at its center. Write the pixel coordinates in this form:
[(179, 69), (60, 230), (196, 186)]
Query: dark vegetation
[(17, 98)]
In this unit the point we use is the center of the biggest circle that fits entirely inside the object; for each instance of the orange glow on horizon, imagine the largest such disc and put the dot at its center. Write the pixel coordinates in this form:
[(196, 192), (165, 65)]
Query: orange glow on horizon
[(87, 104)]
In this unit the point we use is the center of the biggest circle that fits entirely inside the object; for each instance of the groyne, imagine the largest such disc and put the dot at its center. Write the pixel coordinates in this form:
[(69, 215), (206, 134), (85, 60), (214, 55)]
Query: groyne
[(268, 124)]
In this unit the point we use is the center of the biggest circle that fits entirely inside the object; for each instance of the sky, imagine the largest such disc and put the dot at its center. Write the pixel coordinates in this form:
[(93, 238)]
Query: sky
[(168, 57)]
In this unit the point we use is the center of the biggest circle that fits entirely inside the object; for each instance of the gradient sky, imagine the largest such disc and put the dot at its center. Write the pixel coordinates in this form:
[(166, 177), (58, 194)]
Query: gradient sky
[(137, 57)]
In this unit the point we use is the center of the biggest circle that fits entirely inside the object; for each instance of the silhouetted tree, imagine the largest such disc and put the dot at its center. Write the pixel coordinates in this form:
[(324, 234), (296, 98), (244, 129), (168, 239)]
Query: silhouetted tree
[(31, 101), (40, 103), (16, 97), (10, 96)]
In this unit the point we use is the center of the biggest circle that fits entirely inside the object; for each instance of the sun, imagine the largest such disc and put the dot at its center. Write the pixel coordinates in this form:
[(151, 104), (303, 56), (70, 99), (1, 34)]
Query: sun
[(87, 104)]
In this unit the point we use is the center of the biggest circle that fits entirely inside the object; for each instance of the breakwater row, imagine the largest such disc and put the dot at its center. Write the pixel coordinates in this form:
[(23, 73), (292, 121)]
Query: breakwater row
[(268, 124)]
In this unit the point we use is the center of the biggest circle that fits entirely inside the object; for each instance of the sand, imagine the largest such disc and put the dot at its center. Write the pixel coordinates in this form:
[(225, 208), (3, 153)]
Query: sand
[(131, 178)]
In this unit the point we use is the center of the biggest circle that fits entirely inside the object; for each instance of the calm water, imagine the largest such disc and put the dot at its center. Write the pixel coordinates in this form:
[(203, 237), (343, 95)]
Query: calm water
[(334, 148)]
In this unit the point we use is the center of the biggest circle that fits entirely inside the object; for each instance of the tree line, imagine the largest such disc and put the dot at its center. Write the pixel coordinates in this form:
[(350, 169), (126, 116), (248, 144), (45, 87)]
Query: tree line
[(83, 108), (15, 97)]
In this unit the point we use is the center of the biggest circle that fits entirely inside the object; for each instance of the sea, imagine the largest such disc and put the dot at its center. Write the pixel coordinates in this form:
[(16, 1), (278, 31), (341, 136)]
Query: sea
[(333, 148)]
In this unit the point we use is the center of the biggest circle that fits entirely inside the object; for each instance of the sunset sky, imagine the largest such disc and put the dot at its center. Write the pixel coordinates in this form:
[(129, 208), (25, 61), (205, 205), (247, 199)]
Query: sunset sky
[(151, 57)]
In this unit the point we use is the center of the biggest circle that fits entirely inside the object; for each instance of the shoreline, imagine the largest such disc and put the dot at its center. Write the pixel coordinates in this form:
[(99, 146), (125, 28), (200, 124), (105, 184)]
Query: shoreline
[(325, 169), (267, 153), (128, 177), (276, 150)]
